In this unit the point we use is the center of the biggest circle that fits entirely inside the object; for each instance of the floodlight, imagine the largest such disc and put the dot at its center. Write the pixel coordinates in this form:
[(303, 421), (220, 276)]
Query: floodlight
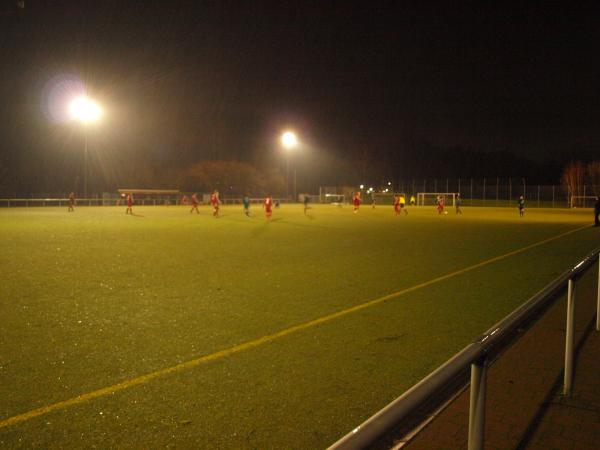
[(289, 140), (85, 110), (362, 186)]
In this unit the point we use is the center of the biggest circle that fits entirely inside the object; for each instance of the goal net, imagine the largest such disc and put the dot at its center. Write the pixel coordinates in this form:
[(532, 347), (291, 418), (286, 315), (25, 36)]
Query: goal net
[(430, 198), (582, 201), (334, 199)]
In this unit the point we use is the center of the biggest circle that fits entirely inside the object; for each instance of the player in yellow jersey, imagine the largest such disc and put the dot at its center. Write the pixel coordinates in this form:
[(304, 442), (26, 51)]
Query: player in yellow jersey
[(402, 201)]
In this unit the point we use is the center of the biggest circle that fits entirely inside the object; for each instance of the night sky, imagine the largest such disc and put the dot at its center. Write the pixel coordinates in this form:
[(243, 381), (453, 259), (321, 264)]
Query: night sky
[(397, 87)]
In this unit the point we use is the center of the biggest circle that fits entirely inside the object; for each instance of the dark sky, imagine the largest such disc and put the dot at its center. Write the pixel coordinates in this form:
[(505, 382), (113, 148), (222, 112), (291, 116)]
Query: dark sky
[(182, 82)]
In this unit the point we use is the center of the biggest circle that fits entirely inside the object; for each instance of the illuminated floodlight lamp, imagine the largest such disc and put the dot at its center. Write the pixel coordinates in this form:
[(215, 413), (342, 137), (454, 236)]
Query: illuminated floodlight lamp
[(389, 183), (85, 110), (362, 186), (289, 140)]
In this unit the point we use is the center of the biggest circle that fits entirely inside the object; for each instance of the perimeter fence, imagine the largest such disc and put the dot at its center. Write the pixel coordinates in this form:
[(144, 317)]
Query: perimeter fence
[(493, 192), (500, 192)]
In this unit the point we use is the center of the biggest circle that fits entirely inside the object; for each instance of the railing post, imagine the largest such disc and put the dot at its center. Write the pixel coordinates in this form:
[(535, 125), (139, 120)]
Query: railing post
[(570, 334), (477, 405), (598, 299)]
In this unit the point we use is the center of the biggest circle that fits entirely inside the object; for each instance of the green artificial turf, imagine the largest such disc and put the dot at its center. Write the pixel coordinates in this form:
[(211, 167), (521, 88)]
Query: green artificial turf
[(95, 297)]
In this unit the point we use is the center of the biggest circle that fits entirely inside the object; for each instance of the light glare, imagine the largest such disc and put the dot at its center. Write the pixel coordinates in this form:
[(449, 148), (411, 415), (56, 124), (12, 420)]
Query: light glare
[(289, 140), (85, 110)]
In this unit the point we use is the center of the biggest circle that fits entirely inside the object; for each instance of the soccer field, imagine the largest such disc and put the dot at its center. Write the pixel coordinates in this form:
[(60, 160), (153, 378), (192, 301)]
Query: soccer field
[(170, 329)]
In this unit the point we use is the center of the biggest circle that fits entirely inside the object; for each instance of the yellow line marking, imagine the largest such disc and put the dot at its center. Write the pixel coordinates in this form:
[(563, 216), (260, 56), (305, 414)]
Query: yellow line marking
[(259, 341)]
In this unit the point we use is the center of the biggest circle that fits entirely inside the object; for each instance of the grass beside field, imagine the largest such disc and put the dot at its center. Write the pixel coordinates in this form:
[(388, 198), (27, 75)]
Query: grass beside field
[(95, 298)]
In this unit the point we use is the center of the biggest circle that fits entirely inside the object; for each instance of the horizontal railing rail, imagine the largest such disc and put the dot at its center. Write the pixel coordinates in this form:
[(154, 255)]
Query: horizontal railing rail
[(108, 201), (115, 201), (431, 393)]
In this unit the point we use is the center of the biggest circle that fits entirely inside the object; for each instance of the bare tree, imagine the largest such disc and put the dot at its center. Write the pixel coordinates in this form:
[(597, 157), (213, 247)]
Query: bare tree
[(231, 178), (593, 173), (573, 178)]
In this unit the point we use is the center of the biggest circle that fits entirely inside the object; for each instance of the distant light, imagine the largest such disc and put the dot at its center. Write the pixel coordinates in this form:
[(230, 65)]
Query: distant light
[(362, 186), (389, 183), (85, 110), (289, 140)]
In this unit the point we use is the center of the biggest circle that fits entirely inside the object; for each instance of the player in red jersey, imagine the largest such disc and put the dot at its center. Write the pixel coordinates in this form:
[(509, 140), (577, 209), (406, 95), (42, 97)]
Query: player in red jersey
[(397, 205), (194, 204), (129, 209), (268, 205), (71, 202), (440, 204), (356, 201), (215, 202)]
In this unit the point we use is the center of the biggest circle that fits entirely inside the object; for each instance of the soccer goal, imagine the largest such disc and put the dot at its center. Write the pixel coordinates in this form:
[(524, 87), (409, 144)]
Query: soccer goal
[(582, 201), (430, 198), (334, 199)]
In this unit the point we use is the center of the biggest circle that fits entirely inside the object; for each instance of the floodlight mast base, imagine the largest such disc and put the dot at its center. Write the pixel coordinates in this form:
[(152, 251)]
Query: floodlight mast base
[(85, 163)]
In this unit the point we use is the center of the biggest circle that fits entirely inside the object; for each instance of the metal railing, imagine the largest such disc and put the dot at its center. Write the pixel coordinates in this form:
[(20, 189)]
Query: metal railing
[(431, 393), (100, 201), (113, 201)]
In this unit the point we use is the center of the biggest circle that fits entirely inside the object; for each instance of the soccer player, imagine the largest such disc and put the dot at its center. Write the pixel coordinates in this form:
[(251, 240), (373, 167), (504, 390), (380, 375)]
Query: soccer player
[(412, 200), (356, 201), (246, 203), (458, 201), (129, 209), (268, 206), (521, 206), (194, 204), (215, 202), (397, 205), (306, 201), (71, 202), (402, 201), (440, 204)]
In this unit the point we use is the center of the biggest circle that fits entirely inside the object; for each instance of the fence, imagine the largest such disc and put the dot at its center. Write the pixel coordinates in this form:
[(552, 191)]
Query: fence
[(33, 202), (112, 201), (433, 391), (501, 192), (494, 191)]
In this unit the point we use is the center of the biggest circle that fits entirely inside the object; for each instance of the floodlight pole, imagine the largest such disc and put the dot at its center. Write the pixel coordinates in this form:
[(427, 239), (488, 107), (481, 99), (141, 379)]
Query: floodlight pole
[(287, 175), (85, 162), (295, 193)]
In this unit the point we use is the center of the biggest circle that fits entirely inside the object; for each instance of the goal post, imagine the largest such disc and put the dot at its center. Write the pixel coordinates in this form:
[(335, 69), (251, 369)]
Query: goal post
[(582, 201), (334, 199), (429, 198)]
